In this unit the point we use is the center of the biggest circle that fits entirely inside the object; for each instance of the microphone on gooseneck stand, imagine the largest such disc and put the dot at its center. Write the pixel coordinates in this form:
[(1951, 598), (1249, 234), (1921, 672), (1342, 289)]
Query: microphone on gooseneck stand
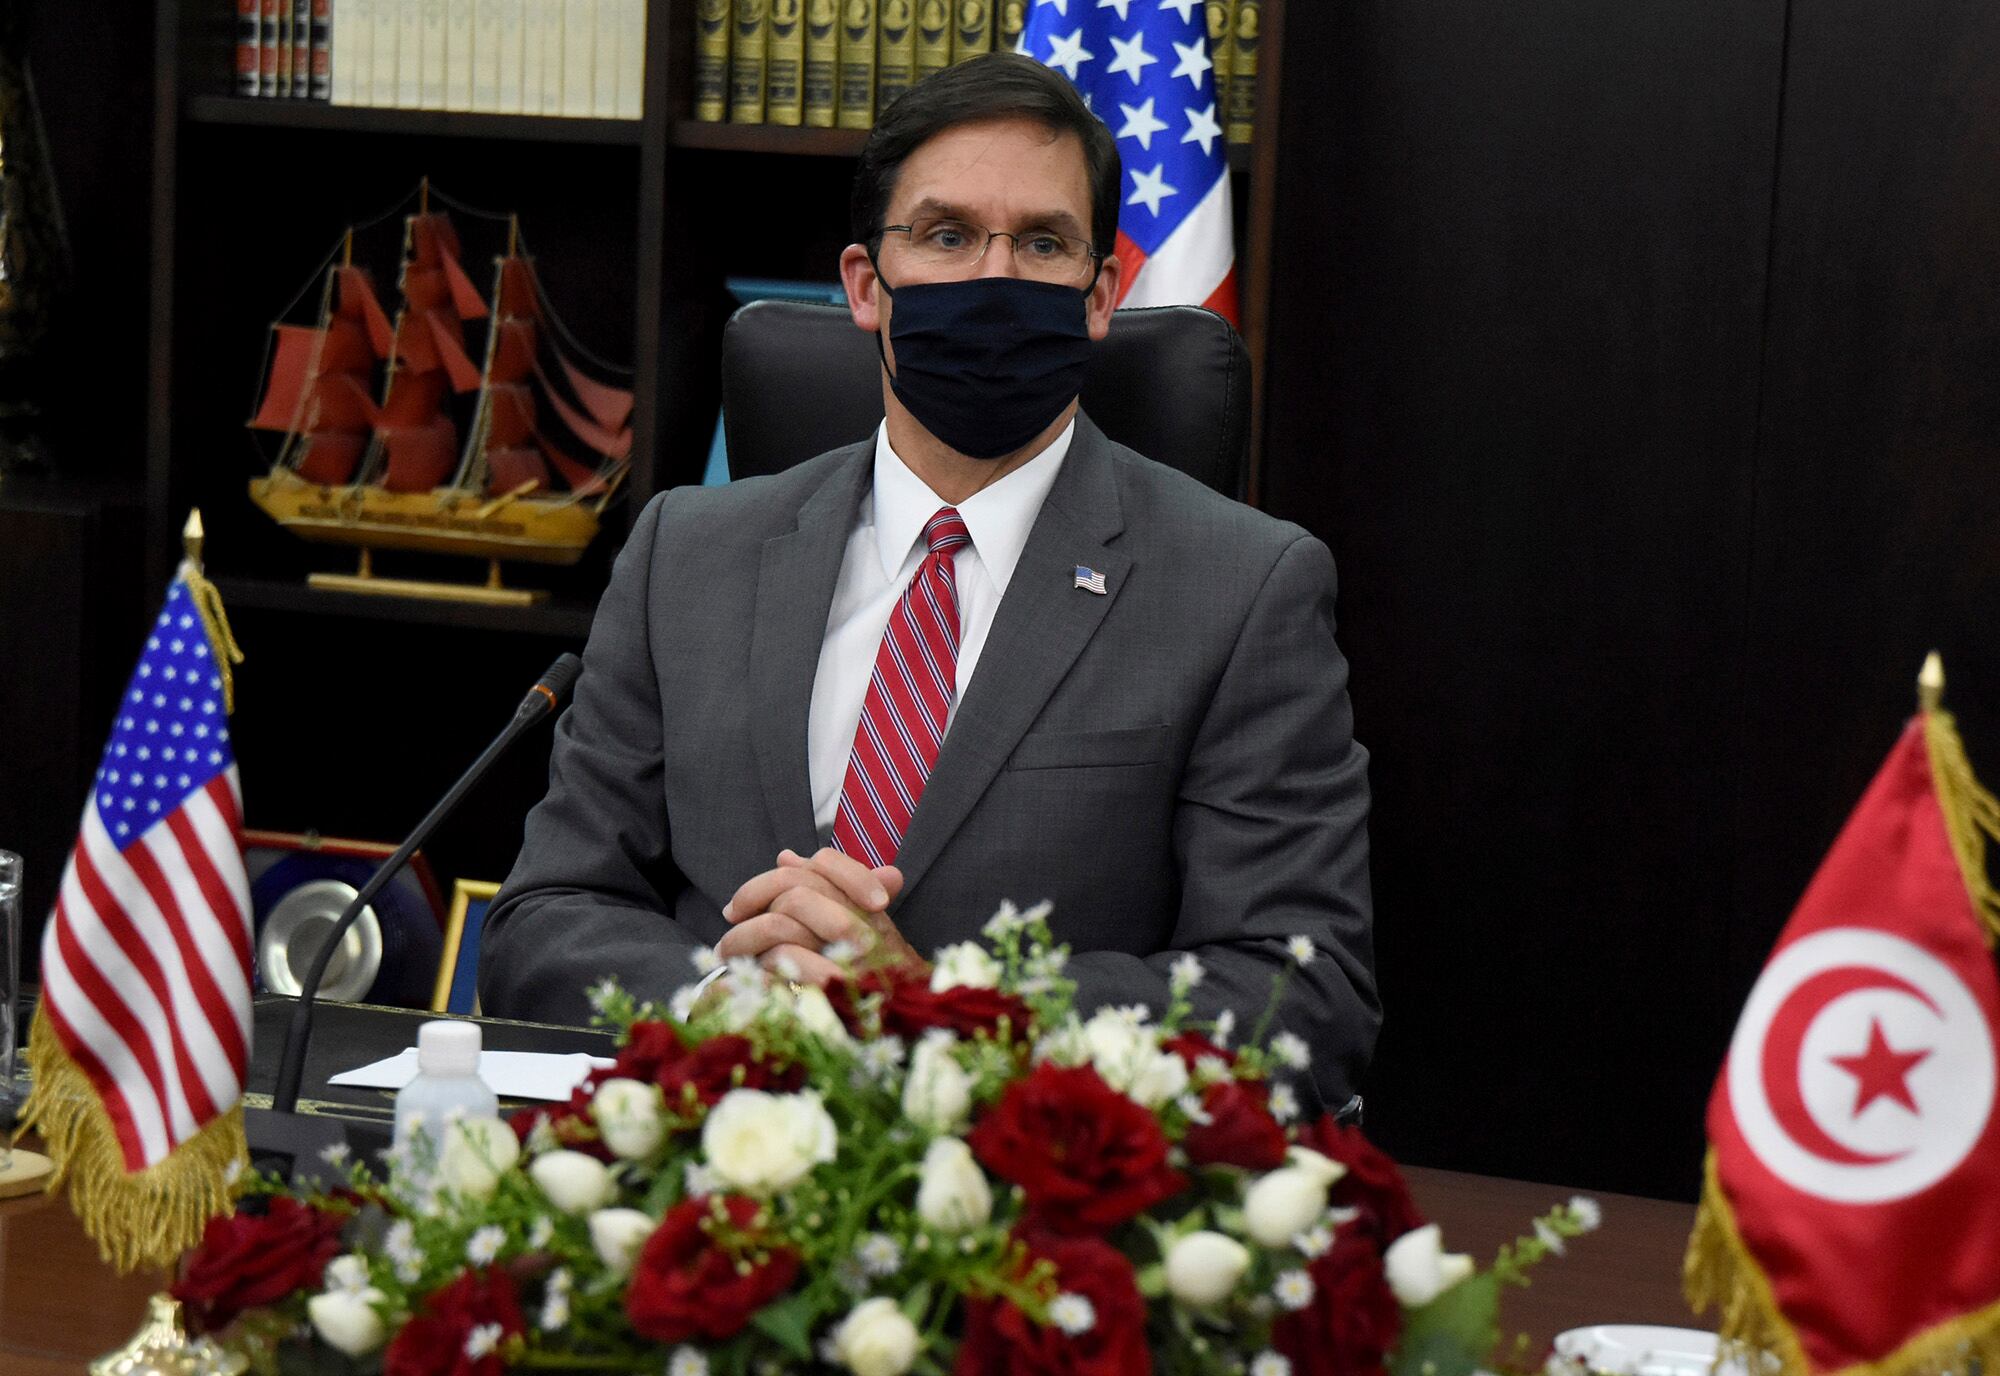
[(280, 1130)]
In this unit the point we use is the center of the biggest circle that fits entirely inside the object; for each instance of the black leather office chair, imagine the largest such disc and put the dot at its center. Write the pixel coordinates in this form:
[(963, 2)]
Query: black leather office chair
[(1172, 382)]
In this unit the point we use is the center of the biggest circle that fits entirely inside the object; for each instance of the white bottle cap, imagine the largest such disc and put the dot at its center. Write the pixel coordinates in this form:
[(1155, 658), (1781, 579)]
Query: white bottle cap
[(447, 1047)]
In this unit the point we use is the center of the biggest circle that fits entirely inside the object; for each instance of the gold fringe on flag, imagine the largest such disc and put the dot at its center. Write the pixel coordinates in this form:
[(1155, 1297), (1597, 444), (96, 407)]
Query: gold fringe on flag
[(208, 601), (147, 1218), (1719, 1271), (1971, 815)]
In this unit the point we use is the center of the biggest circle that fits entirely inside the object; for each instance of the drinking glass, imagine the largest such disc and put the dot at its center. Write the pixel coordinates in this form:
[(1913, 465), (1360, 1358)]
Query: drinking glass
[(10, 988)]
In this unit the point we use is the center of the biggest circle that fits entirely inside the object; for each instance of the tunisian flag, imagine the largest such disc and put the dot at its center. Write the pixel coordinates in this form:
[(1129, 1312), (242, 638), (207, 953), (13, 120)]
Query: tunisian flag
[(1850, 1218)]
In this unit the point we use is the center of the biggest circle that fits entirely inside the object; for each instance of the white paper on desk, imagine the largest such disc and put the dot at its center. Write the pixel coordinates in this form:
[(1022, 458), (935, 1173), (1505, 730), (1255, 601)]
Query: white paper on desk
[(510, 1074)]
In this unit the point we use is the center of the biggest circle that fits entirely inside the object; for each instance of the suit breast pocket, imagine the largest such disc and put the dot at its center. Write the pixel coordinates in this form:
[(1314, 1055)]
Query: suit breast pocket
[(1129, 745)]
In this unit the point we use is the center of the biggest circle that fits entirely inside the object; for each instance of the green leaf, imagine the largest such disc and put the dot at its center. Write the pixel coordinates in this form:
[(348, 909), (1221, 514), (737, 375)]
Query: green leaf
[(788, 1323), (1452, 1334), (1152, 1281), (916, 1302)]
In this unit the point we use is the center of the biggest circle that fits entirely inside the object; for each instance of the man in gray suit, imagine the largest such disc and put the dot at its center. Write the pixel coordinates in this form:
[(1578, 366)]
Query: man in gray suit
[(987, 653)]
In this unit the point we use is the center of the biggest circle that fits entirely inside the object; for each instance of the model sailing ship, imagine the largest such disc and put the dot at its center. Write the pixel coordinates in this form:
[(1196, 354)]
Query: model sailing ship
[(382, 466)]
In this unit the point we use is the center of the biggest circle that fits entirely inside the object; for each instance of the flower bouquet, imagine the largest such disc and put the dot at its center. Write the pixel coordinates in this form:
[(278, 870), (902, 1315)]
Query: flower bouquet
[(902, 1173)]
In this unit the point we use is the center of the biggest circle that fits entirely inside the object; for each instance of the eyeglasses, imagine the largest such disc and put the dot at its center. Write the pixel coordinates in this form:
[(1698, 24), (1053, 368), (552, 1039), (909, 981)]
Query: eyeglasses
[(956, 248)]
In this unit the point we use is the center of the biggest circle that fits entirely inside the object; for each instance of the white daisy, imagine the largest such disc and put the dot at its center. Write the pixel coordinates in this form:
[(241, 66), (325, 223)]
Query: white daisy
[(1293, 1289), (687, 1361), (555, 1312), (335, 1154), (540, 1233), (1072, 1313), (1314, 1243), (1284, 1102), (1549, 1237), (1225, 1027), (706, 961), (1291, 1048), (481, 1341), (485, 1245), (1586, 1212), (1302, 949), (879, 1255), (1270, 1364), (1186, 972), (400, 1242)]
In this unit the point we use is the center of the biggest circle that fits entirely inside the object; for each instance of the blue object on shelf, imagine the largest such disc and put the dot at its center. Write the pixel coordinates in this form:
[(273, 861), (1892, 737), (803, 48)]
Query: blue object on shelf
[(746, 290)]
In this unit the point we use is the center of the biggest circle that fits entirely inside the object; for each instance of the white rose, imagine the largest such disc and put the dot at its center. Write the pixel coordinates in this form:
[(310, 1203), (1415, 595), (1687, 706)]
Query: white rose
[(1203, 1268), (965, 964), (1161, 1077), (1420, 1269), (1323, 1167), (876, 1339), (1125, 1050), (952, 1193), (574, 1183), (617, 1235), (938, 1093), (628, 1117), (766, 1143), (477, 1152), (1286, 1202), (815, 1013), (346, 1320), (347, 1272)]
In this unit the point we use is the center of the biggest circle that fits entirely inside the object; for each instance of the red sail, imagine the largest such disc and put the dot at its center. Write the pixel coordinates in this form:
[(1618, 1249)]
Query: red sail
[(465, 297), (510, 416), (463, 372), (330, 458), (517, 294), (514, 355), (610, 406), (421, 457), (340, 402), (582, 479), (357, 301), (507, 469), (291, 360)]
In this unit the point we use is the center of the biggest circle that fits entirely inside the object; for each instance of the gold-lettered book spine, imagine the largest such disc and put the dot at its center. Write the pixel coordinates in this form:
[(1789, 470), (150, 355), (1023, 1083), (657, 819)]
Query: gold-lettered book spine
[(1243, 71), (750, 33), (896, 59), (784, 100), (933, 37), (972, 29), (1221, 51), (711, 61), (857, 64), (822, 62), (1013, 18)]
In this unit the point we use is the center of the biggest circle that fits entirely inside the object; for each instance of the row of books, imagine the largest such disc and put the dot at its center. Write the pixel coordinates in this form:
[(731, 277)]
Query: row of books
[(839, 63), (584, 58)]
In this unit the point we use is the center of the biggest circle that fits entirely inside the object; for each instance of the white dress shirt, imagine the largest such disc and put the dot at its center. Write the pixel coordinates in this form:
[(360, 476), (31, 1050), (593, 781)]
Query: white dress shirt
[(882, 556)]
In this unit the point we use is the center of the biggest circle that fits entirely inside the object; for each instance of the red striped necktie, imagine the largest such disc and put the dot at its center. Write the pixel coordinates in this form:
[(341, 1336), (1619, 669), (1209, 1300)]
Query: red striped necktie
[(909, 699)]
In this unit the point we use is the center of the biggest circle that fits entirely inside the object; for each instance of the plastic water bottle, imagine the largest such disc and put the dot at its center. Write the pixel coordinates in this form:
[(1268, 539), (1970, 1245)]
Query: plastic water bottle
[(447, 1087)]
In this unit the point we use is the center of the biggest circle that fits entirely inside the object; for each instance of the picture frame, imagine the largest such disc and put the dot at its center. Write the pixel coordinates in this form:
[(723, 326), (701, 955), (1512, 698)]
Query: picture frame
[(457, 988)]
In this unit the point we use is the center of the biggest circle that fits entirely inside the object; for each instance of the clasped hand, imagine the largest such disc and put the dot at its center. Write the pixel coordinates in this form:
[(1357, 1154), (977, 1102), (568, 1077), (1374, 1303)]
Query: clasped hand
[(786, 917)]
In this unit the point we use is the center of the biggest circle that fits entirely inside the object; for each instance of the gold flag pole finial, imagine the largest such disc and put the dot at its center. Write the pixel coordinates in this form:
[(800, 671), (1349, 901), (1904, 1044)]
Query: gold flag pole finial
[(192, 536), (1930, 683)]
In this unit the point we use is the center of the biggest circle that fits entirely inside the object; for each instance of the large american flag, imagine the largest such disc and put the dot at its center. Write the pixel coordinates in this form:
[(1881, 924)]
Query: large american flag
[(1143, 66), (146, 963)]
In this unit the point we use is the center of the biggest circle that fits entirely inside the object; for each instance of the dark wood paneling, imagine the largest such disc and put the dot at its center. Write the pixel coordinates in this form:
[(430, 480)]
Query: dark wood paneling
[(1521, 257), (1878, 471)]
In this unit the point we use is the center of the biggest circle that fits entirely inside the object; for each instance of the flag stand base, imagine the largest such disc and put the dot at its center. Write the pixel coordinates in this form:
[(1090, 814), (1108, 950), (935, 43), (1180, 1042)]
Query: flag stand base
[(23, 1172)]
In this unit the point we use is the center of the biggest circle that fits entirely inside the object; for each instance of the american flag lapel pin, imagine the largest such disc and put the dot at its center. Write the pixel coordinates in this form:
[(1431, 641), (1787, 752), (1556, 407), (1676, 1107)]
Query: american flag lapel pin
[(1089, 579)]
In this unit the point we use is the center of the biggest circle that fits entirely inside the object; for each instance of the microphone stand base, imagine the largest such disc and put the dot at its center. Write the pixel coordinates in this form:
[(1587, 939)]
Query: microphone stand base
[(24, 1172), (295, 1146)]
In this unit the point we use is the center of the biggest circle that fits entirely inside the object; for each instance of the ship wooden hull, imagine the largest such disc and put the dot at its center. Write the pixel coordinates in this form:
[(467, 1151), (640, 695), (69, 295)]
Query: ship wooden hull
[(442, 521)]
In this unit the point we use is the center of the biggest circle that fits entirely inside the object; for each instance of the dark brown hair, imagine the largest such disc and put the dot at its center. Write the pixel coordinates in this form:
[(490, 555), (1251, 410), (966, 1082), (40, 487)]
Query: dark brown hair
[(996, 86)]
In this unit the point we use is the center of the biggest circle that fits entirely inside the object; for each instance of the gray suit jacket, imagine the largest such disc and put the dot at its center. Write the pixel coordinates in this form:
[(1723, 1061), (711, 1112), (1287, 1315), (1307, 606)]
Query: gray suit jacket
[(1173, 763)]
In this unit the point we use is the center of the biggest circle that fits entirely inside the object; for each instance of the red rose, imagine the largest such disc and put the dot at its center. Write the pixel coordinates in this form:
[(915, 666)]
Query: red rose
[(247, 1260), (1240, 1130), (478, 1311), (1372, 1183), (1000, 1340), (1191, 1047), (691, 1283), (702, 1074), (571, 1123), (1088, 1157), (1353, 1319), (649, 1046), (910, 1009)]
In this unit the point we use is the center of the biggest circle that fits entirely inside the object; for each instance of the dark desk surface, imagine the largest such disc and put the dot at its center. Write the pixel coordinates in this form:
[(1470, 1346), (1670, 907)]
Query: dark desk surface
[(60, 1305)]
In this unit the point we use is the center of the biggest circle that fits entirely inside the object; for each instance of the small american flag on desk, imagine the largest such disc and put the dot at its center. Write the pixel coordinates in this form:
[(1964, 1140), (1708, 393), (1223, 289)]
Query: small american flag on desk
[(142, 1040), (1144, 67)]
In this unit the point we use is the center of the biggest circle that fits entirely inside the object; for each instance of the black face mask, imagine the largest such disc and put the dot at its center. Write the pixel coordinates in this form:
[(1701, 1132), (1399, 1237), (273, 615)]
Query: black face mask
[(985, 365)]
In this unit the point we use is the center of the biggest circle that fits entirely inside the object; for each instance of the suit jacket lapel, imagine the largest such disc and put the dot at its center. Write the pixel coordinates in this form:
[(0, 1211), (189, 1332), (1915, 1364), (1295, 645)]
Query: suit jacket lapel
[(794, 594), (1042, 625)]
